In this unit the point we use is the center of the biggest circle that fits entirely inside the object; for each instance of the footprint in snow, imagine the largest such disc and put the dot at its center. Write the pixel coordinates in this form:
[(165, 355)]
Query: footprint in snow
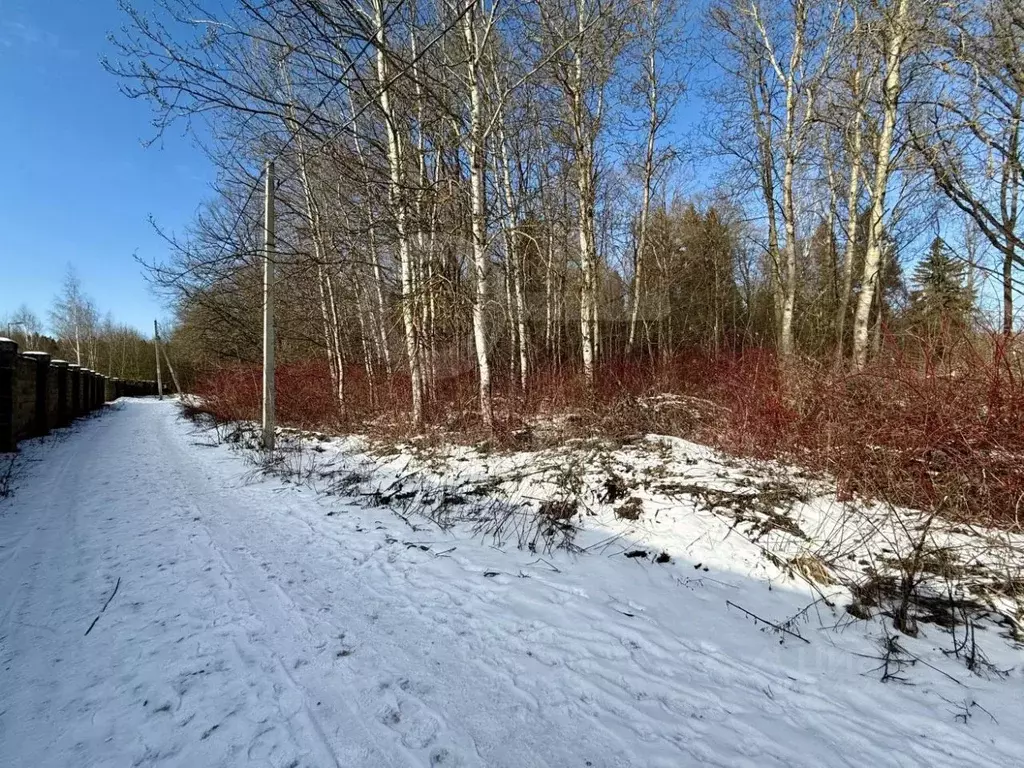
[(441, 756), (268, 745), (416, 727), (409, 686)]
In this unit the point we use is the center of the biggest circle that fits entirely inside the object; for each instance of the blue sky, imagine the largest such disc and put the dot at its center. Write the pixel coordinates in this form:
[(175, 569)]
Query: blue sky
[(79, 186)]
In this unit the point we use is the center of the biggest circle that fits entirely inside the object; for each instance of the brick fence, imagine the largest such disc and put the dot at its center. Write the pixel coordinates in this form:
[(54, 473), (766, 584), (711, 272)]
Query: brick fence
[(38, 394)]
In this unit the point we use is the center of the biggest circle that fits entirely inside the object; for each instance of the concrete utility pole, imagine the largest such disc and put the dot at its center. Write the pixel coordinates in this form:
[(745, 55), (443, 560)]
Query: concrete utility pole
[(268, 309), (156, 347), (174, 376)]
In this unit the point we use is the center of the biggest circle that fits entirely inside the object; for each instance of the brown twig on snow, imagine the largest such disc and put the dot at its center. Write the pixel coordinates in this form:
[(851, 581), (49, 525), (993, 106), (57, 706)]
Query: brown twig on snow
[(118, 584)]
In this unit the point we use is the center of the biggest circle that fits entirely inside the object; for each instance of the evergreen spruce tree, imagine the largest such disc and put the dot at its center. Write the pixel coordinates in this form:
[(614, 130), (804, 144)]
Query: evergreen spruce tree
[(941, 298)]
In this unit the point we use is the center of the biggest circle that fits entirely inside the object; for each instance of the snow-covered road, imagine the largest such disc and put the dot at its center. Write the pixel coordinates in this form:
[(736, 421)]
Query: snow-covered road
[(257, 624)]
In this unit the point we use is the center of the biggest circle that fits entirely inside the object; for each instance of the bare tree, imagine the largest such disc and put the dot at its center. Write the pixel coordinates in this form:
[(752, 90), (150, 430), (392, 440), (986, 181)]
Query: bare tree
[(23, 326), (848, 119), (778, 56), (970, 129), (592, 34), (894, 32), (74, 319), (658, 34)]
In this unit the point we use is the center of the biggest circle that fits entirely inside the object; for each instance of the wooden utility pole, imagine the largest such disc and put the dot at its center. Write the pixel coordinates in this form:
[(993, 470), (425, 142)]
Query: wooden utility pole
[(268, 309), (156, 348)]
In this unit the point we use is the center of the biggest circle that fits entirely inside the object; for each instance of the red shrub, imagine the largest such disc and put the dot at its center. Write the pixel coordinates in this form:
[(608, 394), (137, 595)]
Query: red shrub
[(915, 433), (921, 432)]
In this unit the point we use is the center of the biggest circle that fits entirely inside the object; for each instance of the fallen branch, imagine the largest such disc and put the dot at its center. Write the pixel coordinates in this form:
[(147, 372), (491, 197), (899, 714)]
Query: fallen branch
[(772, 624), (549, 565), (118, 584)]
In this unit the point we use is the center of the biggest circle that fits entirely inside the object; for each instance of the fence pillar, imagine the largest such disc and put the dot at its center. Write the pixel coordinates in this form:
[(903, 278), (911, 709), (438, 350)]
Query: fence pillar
[(74, 391), (41, 422), (8, 361), (59, 376), (87, 389)]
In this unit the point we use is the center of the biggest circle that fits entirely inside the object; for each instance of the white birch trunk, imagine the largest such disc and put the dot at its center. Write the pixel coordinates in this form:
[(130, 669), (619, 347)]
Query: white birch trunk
[(515, 259), (852, 208), (586, 197), (477, 172), (645, 207), (398, 204), (896, 42)]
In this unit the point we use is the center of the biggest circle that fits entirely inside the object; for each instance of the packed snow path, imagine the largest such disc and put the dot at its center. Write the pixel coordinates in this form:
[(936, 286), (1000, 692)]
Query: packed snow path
[(256, 624)]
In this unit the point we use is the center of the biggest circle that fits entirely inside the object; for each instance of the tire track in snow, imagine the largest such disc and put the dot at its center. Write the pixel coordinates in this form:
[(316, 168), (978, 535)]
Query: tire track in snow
[(287, 630), (266, 633)]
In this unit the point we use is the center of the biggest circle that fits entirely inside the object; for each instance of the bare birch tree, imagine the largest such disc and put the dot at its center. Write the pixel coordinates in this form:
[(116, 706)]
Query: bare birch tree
[(894, 32), (970, 129)]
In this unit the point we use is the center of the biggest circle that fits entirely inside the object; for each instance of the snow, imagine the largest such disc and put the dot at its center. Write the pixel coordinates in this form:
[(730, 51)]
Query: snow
[(257, 622)]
